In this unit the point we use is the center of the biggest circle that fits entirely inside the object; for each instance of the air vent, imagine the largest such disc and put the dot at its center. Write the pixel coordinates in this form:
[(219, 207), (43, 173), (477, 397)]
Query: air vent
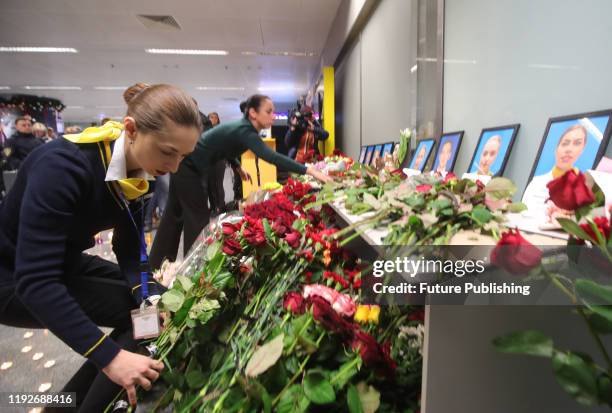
[(158, 22)]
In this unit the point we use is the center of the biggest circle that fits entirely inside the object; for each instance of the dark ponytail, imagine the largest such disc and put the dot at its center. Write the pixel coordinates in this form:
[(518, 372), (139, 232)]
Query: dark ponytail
[(254, 102)]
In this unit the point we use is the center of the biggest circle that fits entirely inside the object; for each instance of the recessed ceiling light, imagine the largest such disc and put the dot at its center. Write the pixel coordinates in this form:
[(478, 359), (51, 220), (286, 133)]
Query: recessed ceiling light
[(5, 87), (110, 87), (52, 87), (219, 88), (280, 53), (188, 52), (38, 49)]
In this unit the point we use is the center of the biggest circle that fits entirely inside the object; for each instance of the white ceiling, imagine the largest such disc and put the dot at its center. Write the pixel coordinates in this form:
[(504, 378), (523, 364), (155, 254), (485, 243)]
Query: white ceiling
[(111, 42)]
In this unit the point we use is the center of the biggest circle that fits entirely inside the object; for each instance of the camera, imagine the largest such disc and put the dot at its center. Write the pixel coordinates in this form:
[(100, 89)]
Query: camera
[(303, 117)]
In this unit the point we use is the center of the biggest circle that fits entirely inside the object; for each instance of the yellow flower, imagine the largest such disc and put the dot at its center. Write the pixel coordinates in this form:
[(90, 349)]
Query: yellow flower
[(271, 186), (361, 315), (327, 257), (374, 313), (367, 314)]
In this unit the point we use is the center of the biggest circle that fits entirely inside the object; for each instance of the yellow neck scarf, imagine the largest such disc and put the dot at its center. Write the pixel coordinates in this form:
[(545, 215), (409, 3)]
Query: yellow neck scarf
[(556, 172), (132, 188)]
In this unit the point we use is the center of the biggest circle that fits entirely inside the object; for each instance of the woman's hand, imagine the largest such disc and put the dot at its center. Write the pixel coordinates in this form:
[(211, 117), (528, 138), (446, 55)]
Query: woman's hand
[(130, 369), (315, 173), (244, 175)]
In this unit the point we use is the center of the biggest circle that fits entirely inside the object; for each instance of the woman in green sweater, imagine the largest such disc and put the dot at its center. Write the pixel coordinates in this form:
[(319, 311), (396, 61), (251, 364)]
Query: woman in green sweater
[(188, 196)]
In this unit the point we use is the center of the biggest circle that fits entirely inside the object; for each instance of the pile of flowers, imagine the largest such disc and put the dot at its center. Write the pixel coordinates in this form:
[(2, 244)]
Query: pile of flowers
[(266, 315)]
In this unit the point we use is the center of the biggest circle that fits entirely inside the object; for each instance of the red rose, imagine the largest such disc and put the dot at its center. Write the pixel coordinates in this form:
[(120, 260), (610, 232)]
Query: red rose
[(229, 229), (418, 315), (423, 188), (324, 314), (293, 239), (374, 355), (603, 226), (449, 177), (231, 247), (480, 185), (294, 302), (515, 254), (570, 191)]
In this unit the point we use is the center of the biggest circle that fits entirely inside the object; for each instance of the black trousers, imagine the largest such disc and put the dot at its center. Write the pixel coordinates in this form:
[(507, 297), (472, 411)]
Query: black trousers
[(100, 289), (187, 210), (216, 192)]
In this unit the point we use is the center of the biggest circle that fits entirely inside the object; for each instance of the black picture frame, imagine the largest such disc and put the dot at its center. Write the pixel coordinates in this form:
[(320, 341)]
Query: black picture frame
[(515, 128), (387, 148), (557, 119), (369, 154), (456, 150), (427, 155), (362, 153)]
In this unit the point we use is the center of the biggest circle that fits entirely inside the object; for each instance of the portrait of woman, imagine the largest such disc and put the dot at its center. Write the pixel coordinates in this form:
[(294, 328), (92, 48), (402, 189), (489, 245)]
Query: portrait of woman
[(493, 150), (570, 142), (421, 155)]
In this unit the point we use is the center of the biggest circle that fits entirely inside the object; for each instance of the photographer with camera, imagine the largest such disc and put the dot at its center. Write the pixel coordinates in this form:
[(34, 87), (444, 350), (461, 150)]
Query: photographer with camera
[(303, 136)]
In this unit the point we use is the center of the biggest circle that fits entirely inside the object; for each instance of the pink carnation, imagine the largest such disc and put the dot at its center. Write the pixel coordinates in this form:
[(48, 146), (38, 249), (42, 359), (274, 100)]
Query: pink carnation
[(341, 303)]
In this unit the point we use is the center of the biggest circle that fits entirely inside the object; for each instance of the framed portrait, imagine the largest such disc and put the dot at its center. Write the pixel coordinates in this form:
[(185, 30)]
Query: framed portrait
[(387, 149), (448, 148), (376, 153), (493, 150), (362, 154), (421, 154), (369, 154), (573, 141)]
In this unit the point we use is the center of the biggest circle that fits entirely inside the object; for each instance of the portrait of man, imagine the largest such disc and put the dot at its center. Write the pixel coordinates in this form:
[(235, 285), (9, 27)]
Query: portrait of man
[(493, 150), (447, 152), (421, 155)]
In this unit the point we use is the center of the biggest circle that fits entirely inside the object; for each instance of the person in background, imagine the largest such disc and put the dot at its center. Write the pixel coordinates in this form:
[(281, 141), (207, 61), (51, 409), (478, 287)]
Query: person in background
[(303, 136), (65, 193), (40, 131), (19, 146), (187, 204), (51, 134), (216, 192)]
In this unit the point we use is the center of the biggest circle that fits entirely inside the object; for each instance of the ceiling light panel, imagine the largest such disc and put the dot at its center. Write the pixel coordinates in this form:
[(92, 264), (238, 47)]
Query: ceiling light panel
[(11, 49), (188, 52)]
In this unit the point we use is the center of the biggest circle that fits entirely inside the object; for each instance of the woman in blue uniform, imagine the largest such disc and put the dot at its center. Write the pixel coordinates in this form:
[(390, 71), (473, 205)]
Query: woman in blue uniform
[(187, 199), (66, 192)]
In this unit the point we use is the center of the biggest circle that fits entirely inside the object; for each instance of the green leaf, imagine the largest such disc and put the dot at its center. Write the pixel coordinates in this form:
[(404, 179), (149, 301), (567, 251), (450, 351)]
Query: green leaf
[(371, 200), (345, 373), (267, 228), (481, 214), (293, 400), (195, 379), (576, 377), (596, 297), (369, 397), (604, 389), (571, 227), (500, 188), (352, 399), (265, 356), (403, 148), (317, 388), (213, 250), (516, 207), (531, 342), (204, 310), (600, 324), (173, 300), (184, 282)]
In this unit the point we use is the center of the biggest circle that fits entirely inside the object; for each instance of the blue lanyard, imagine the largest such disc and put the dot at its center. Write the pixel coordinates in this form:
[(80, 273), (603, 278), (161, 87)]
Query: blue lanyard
[(144, 257)]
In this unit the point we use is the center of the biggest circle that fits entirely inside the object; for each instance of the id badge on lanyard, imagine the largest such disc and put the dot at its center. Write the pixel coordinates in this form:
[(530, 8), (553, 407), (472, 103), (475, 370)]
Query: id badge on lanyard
[(145, 319)]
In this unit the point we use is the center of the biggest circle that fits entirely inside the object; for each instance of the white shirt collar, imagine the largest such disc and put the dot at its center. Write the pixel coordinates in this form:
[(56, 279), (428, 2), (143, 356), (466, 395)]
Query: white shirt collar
[(117, 168)]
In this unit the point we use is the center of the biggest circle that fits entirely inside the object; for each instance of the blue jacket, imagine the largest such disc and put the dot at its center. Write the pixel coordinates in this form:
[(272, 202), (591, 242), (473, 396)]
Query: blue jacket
[(58, 203)]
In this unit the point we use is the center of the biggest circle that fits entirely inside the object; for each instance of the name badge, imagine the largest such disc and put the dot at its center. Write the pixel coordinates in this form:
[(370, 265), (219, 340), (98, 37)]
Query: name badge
[(145, 322)]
